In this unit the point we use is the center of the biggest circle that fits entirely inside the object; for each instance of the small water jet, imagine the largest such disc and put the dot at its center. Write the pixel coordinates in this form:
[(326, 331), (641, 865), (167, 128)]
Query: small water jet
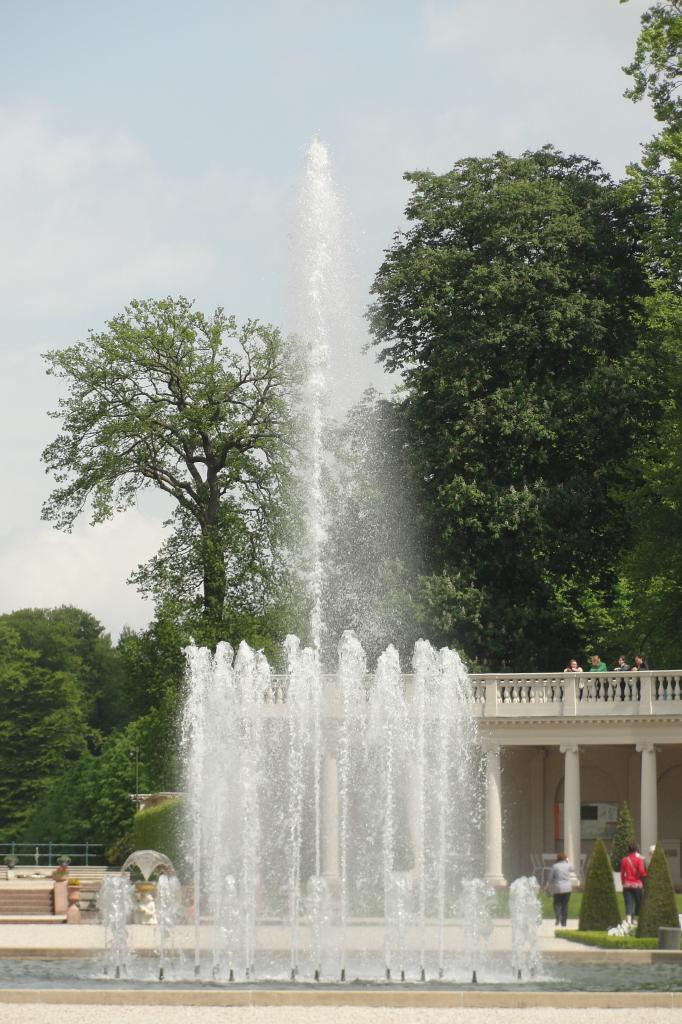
[(475, 907), (526, 917)]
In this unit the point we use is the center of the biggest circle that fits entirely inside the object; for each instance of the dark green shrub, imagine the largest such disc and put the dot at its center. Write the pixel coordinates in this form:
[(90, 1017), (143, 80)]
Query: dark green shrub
[(160, 828), (659, 906), (623, 837), (599, 908)]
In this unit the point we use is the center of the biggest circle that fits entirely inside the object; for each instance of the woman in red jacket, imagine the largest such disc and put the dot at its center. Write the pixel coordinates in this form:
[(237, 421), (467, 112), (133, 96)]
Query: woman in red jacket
[(632, 875)]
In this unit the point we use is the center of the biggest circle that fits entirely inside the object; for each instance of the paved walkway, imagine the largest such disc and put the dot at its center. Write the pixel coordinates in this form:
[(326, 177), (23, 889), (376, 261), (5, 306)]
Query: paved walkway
[(70, 940)]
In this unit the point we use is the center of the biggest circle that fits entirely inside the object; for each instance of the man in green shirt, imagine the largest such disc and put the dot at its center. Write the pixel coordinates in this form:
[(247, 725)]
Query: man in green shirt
[(597, 665)]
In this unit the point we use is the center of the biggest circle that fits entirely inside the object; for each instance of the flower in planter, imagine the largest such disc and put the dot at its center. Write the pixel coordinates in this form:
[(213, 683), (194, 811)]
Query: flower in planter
[(73, 882), (11, 860)]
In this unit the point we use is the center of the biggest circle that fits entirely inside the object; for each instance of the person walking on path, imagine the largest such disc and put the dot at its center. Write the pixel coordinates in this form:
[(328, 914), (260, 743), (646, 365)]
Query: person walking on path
[(559, 885), (632, 875)]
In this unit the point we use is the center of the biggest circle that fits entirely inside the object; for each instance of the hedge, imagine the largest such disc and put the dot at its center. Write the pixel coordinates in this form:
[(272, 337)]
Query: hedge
[(599, 909), (659, 906), (160, 828), (604, 940), (623, 837)]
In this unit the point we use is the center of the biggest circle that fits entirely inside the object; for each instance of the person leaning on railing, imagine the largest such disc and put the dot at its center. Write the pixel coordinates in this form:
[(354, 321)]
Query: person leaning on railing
[(573, 666)]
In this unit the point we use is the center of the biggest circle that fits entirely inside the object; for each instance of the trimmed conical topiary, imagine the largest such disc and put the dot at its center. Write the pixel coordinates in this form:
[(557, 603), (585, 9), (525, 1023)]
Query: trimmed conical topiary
[(659, 906), (623, 837), (599, 908)]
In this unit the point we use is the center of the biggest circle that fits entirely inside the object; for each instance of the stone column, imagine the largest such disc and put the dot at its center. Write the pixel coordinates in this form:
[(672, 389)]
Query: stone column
[(648, 814), (536, 797), (330, 852), (571, 754), (493, 816)]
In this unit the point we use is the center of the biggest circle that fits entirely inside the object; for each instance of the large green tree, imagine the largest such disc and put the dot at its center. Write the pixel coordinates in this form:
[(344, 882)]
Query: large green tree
[(653, 567), (512, 308), (193, 406)]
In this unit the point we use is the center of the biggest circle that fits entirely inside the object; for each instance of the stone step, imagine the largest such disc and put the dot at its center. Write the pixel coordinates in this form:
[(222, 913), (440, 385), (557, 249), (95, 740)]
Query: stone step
[(32, 919), (26, 901)]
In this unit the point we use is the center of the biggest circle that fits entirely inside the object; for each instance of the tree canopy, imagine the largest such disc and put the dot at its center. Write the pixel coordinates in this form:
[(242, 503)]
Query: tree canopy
[(512, 307)]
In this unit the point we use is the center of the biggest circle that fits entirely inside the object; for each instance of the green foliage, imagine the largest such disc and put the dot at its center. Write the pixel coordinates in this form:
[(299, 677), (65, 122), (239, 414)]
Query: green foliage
[(160, 828), (93, 799), (195, 407), (71, 641), (659, 906), (512, 308), (42, 728), (605, 941), (623, 837), (599, 908)]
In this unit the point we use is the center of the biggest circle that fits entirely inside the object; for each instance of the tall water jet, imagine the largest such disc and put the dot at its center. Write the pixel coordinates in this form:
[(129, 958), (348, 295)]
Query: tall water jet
[(318, 234)]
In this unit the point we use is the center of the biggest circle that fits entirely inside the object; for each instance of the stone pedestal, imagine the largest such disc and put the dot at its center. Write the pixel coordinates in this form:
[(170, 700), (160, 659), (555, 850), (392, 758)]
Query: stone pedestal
[(60, 898)]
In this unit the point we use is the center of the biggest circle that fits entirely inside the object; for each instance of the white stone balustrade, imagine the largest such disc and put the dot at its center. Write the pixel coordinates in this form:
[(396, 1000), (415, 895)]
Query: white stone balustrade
[(551, 695)]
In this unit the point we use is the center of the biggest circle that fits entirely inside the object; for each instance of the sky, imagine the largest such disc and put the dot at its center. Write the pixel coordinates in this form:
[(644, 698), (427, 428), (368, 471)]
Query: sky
[(153, 147)]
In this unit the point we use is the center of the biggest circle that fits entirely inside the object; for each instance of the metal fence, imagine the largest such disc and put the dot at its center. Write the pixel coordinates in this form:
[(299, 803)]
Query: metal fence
[(48, 854)]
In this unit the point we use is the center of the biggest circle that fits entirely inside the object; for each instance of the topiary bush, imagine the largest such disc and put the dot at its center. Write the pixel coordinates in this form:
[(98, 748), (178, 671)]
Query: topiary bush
[(599, 908), (623, 837), (160, 828), (659, 906)]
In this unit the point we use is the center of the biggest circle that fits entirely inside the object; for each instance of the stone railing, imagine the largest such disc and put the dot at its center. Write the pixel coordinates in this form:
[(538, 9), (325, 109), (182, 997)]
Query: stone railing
[(545, 695), (581, 694)]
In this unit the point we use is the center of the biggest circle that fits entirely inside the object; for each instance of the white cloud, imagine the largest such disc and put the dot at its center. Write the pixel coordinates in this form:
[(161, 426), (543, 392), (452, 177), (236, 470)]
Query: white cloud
[(87, 568), (83, 219)]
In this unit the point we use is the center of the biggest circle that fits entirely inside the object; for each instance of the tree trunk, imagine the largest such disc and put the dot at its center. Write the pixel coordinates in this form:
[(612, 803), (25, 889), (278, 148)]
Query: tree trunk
[(213, 561)]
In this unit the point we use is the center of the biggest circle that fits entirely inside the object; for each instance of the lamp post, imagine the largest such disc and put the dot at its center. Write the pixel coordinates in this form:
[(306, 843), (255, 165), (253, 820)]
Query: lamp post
[(136, 754)]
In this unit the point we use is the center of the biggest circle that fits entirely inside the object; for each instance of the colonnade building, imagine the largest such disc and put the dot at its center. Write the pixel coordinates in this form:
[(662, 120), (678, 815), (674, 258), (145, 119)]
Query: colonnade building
[(562, 752)]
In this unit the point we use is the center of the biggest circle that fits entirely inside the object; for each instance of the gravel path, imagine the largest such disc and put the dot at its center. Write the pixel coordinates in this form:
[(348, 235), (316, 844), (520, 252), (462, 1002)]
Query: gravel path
[(67, 1014)]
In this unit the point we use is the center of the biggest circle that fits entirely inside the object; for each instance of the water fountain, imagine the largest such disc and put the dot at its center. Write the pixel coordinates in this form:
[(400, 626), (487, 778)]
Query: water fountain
[(327, 797), (348, 806)]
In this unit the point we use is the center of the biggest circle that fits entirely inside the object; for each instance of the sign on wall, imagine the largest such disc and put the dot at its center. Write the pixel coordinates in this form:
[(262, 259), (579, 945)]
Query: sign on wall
[(597, 821)]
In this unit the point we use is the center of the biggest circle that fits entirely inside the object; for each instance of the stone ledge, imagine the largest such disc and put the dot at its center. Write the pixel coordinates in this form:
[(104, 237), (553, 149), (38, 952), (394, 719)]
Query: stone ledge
[(423, 999)]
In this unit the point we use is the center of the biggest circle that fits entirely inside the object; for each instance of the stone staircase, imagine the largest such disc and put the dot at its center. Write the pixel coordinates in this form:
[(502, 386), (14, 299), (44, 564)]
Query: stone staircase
[(22, 905)]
